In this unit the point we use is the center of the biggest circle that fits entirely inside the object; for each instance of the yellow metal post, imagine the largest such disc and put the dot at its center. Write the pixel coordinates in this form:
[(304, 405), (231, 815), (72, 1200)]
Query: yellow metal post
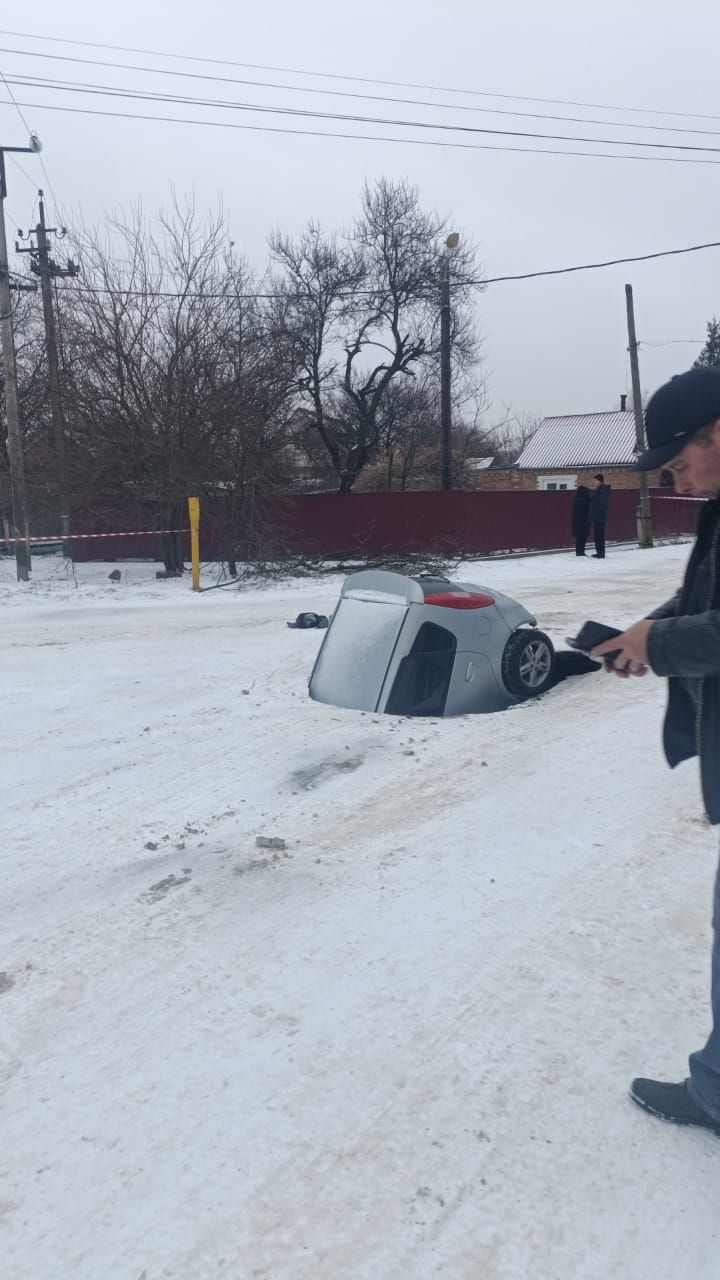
[(194, 509)]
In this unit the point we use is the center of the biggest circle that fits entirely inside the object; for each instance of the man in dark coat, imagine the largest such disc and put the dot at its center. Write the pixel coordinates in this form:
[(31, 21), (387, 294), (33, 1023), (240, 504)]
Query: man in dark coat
[(581, 518), (598, 513), (681, 640)]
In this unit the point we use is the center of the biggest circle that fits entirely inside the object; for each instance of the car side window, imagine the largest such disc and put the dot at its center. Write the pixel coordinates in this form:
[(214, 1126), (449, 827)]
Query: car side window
[(422, 682)]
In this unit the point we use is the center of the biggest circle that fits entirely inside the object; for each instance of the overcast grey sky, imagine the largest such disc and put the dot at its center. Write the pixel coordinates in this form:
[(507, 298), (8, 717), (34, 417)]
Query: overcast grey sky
[(551, 346)]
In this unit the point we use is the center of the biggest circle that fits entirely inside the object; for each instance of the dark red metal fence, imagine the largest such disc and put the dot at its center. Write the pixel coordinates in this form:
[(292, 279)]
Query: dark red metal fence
[(333, 525), (467, 523), (120, 516)]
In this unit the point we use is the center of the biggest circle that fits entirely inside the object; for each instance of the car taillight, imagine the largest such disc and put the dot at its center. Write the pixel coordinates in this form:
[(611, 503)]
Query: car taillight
[(460, 600)]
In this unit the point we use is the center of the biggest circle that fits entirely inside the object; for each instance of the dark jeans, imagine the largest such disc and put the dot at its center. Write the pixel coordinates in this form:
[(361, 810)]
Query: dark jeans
[(599, 536), (580, 542), (704, 1082)]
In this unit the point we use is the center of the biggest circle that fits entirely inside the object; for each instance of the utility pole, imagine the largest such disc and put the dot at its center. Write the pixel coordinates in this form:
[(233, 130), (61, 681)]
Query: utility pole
[(48, 270), (21, 527), (644, 519), (445, 370)]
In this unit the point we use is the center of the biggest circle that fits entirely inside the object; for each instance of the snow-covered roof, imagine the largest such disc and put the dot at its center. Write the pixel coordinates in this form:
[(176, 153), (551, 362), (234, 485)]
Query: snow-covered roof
[(582, 440), (479, 464)]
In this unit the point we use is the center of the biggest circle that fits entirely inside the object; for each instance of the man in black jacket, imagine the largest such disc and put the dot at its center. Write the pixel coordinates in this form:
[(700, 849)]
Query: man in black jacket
[(598, 514), (580, 518), (681, 640)]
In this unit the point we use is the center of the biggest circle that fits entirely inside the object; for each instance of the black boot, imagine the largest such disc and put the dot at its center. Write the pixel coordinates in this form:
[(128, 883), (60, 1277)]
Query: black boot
[(671, 1102)]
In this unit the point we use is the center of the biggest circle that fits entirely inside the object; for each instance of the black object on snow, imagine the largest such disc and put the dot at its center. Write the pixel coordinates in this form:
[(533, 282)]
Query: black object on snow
[(306, 620)]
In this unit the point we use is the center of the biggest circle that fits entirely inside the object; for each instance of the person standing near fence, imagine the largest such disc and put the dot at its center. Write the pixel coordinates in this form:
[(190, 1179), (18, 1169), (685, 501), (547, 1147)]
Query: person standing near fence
[(580, 520), (599, 501)]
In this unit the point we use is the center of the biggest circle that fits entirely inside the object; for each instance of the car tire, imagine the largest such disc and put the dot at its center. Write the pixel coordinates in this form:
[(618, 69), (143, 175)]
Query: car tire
[(528, 664)]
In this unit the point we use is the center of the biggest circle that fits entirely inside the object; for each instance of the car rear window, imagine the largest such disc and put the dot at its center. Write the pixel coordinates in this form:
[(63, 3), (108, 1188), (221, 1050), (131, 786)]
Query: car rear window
[(354, 659), (422, 682)]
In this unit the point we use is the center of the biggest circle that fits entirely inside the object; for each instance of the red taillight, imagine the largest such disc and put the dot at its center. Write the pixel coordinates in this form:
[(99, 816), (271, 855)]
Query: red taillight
[(460, 600)]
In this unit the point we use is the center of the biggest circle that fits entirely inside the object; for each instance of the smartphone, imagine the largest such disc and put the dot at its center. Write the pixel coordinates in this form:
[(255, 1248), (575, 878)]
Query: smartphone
[(592, 633)]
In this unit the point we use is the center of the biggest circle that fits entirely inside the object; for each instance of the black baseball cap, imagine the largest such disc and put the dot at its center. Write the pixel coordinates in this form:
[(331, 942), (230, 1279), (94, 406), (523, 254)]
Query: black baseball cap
[(676, 412)]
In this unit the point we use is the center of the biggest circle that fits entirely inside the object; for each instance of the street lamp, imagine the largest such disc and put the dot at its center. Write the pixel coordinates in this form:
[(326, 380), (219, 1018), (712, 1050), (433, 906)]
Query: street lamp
[(449, 248), (21, 529)]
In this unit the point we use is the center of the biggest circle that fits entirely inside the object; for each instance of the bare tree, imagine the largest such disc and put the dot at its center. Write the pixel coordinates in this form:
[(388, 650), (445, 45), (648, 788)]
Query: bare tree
[(256, 451), (183, 373), (408, 455), (175, 367), (364, 310), (511, 433)]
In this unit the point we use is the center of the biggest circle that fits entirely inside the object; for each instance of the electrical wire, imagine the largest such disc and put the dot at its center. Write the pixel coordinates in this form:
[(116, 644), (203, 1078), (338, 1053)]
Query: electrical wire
[(56, 206), (672, 342), (326, 75), (367, 97), (12, 99), (11, 216), (16, 163), (486, 280), (29, 130), (595, 266), (370, 137), (139, 95)]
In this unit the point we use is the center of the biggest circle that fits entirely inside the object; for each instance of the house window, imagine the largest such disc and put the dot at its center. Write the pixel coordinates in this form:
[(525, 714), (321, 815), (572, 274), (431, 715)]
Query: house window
[(550, 484)]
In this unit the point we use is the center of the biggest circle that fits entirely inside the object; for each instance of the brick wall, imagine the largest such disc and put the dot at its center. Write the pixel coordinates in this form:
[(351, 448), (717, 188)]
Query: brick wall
[(516, 480)]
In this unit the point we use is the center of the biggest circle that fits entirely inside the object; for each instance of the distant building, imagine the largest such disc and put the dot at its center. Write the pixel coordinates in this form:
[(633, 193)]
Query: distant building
[(310, 468), (569, 450)]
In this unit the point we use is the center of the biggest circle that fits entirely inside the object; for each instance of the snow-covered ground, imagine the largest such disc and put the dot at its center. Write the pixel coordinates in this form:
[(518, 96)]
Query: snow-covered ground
[(397, 1049)]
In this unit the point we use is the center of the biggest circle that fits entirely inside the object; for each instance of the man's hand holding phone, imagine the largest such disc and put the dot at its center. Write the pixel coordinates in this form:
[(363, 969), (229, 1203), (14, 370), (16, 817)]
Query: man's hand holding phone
[(629, 651)]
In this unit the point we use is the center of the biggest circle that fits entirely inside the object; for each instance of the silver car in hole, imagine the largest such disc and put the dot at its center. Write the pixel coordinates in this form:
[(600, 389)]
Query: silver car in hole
[(426, 646)]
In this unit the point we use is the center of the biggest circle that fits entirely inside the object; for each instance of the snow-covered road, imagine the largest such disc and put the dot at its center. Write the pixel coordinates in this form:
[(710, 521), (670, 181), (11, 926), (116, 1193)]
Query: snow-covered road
[(398, 1048)]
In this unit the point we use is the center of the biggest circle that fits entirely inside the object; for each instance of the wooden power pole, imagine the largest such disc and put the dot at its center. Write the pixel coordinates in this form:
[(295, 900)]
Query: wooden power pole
[(446, 476), (21, 528), (48, 270), (644, 520)]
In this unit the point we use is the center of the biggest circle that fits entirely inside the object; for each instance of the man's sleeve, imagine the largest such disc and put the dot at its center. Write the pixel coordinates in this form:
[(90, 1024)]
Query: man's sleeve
[(668, 609), (686, 646)]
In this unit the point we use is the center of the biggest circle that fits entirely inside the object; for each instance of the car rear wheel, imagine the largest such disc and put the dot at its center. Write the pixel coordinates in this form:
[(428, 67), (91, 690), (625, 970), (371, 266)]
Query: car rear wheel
[(528, 664)]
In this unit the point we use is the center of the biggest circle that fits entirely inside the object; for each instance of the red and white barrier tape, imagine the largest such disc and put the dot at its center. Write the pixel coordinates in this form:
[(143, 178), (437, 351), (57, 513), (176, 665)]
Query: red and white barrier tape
[(73, 537)]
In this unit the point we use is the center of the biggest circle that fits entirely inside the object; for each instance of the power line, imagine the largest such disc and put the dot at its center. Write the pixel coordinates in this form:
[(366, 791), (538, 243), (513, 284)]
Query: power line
[(369, 137), (56, 206), (595, 266), (14, 160), (140, 95), (12, 99), (31, 183), (672, 342), (326, 75), (232, 296), (341, 93), (27, 127)]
